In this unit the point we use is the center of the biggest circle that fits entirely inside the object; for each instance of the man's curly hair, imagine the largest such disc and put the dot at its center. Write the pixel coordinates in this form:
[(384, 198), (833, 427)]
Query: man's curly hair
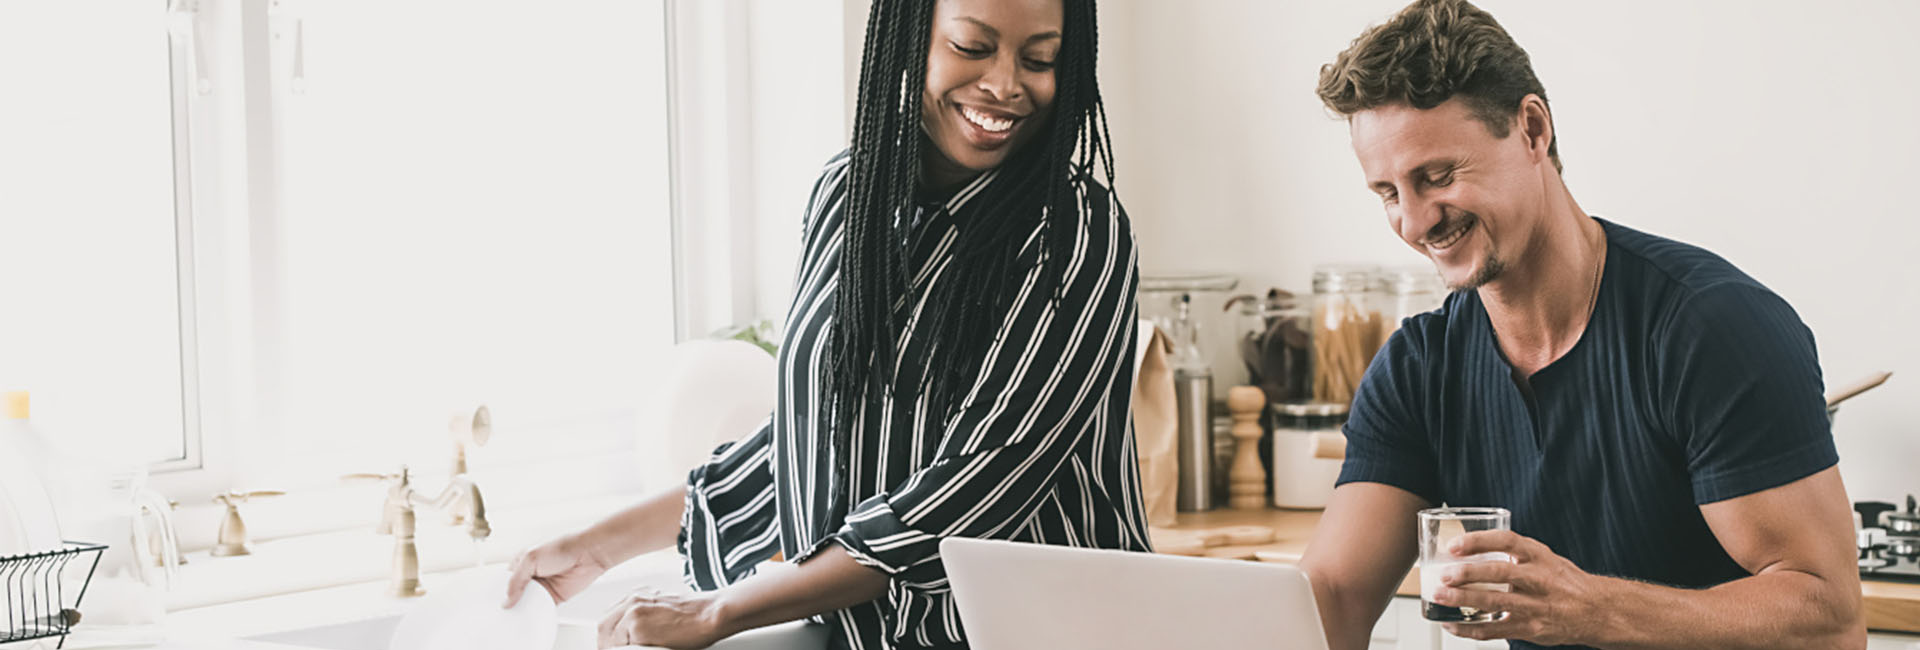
[(1432, 51)]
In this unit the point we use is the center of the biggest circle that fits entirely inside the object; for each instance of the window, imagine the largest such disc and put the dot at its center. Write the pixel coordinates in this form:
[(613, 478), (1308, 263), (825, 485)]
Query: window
[(474, 210), (409, 209), (90, 227)]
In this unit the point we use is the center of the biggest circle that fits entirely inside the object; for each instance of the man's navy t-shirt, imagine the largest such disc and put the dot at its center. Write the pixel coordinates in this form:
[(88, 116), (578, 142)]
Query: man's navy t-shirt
[(1692, 384)]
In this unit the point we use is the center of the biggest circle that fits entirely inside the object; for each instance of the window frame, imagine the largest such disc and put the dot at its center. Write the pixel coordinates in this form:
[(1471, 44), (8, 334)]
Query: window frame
[(205, 148), (181, 34)]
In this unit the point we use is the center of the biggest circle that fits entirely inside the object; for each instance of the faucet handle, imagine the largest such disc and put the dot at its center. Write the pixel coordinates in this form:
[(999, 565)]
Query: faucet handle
[(403, 476), (399, 487), (235, 497), (233, 531)]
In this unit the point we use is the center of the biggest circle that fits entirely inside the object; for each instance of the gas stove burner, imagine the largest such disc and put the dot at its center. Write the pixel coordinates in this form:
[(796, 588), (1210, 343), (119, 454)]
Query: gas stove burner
[(1886, 554)]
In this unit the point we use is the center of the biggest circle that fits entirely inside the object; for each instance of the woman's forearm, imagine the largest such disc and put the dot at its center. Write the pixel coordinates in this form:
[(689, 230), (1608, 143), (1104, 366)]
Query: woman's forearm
[(830, 580), (650, 525)]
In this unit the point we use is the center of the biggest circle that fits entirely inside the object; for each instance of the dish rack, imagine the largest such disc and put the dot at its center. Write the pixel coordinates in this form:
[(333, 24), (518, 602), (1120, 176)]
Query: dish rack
[(36, 588)]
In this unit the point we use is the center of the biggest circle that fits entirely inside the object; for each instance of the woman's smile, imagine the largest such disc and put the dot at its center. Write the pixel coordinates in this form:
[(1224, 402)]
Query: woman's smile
[(986, 129)]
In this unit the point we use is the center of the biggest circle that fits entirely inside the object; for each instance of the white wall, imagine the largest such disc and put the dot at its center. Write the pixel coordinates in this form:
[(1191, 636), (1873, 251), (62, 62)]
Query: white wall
[(1779, 135), (797, 79)]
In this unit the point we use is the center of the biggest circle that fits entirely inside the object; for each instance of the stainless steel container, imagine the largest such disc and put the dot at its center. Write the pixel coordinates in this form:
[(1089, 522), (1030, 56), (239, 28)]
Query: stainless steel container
[(1193, 400)]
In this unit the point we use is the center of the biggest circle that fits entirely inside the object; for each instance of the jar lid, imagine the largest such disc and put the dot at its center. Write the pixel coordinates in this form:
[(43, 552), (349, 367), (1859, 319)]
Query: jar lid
[(1343, 278), (1406, 280), (1310, 409)]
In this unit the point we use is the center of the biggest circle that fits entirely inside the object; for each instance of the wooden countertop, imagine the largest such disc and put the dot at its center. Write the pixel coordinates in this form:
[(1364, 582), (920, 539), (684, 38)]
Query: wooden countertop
[(1891, 606)]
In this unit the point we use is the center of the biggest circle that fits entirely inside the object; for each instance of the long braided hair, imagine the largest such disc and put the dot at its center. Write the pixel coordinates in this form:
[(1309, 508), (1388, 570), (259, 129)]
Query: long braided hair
[(1035, 187)]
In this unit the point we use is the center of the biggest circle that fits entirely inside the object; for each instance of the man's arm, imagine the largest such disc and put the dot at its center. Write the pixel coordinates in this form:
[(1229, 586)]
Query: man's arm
[(1361, 550), (1805, 591), (1797, 540)]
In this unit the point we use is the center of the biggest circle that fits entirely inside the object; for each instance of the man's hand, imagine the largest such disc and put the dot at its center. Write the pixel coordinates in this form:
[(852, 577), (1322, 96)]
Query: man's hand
[(655, 618), (1551, 602)]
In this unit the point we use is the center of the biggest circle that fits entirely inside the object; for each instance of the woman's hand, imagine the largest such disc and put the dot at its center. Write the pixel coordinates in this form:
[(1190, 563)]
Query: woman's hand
[(655, 618), (564, 566)]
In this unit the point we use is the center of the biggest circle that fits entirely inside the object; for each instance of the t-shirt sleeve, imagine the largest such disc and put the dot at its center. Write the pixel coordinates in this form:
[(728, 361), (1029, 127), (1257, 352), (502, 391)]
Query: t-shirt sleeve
[(1743, 384), (1385, 440)]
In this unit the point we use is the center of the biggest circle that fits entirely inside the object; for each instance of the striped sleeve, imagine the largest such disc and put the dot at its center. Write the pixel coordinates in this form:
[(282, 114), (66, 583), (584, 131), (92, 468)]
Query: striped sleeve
[(728, 525), (1036, 399)]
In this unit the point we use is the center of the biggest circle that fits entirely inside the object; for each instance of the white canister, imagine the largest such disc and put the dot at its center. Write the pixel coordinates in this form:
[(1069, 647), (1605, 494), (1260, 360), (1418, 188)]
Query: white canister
[(1299, 479)]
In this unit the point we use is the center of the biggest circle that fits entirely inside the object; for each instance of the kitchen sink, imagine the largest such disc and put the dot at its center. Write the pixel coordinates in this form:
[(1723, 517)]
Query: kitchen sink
[(370, 634), (373, 634), (579, 618)]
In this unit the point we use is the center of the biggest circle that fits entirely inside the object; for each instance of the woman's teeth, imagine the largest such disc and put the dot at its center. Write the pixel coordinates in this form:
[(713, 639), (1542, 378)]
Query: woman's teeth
[(987, 122)]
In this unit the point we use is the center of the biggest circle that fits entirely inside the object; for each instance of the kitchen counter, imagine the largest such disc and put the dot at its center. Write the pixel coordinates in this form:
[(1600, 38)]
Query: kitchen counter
[(1891, 606), (363, 616)]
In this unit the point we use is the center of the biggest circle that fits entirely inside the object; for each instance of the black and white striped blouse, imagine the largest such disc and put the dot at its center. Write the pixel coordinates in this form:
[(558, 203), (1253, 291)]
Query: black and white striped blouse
[(1040, 450)]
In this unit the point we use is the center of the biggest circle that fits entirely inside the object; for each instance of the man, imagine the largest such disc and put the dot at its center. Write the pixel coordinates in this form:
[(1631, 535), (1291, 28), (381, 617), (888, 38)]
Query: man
[(1651, 415)]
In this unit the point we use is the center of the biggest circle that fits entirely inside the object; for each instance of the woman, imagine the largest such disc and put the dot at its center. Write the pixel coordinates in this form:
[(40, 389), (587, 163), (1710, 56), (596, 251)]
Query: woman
[(955, 361)]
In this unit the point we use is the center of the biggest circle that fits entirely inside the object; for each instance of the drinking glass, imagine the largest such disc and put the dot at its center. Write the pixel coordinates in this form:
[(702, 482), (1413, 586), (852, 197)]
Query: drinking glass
[(1438, 528)]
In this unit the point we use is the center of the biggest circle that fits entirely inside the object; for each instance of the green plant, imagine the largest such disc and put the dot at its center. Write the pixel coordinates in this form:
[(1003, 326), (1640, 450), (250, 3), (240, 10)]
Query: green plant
[(760, 333)]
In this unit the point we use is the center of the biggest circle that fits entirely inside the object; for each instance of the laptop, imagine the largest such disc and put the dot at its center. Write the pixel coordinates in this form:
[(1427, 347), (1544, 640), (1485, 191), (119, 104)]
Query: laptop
[(1015, 596)]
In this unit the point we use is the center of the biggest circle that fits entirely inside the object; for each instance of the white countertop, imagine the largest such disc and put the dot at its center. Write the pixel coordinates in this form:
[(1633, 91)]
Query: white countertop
[(357, 602), (227, 603), (233, 626), (341, 577)]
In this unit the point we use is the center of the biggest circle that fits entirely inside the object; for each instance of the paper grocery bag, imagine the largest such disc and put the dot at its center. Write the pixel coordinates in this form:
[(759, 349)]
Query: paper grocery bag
[(1154, 429)]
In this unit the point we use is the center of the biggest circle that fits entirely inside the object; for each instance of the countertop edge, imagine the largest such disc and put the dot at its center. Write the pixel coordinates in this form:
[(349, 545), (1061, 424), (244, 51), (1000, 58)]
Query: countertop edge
[(1889, 606)]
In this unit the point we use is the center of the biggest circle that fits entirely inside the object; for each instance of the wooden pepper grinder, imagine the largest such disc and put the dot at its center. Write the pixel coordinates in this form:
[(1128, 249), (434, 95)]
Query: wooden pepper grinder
[(1247, 480)]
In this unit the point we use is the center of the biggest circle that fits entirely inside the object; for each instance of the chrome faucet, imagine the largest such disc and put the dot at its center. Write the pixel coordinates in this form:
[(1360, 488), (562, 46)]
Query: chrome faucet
[(460, 497)]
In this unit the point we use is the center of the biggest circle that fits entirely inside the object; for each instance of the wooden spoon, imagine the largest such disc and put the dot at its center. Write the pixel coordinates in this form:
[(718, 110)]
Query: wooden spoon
[(1865, 384)]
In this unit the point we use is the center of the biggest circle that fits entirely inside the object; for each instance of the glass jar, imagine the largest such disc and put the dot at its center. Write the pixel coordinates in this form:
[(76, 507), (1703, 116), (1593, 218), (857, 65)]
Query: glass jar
[(1276, 344), (1407, 291), (1347, 330), (1301, 480), (1161, 299)]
